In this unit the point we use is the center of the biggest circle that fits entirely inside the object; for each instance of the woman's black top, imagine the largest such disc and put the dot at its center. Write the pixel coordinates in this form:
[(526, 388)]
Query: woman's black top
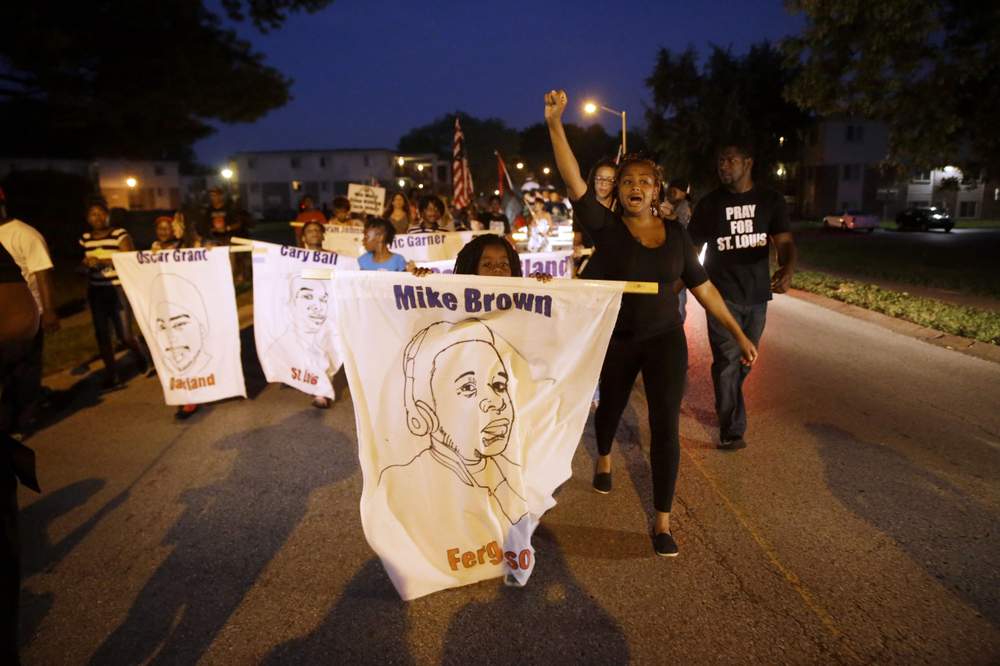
[(623, 257)]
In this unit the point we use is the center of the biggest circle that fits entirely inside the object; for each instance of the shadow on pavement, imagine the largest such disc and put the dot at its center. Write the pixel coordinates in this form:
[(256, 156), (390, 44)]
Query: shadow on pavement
[(39, 554), (367, 625), (953, 537), (225, 538), (552, 620)]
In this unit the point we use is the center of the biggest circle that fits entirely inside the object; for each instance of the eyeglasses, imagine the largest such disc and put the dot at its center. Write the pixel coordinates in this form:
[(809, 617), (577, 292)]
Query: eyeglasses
[(603, 179)]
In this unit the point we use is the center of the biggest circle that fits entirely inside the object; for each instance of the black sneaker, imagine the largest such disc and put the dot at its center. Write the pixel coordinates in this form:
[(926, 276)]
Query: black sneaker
[(664, 545), (602, 482), (733, 444)]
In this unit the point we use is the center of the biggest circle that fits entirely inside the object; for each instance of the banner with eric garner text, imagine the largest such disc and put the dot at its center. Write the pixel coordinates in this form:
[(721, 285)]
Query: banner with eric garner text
[(558, 264), (185, 305), (437, 246), (293, 318), (470, 396)]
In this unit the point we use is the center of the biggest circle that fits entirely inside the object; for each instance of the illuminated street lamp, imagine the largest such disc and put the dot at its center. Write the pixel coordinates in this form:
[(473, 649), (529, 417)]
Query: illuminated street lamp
[(546, 171), (496, 193), (590, 108), (519, 166), (131, 182), (420, 167), (401, 182), (400, 161), (227, 173)]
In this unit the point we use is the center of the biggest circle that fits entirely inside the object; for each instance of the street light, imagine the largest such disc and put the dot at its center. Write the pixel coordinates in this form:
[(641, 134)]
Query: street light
[(519, 166), (546, 171), (590, 108), (420, 167), (400, 182), (227, 173), (400, 161), (131, 182)]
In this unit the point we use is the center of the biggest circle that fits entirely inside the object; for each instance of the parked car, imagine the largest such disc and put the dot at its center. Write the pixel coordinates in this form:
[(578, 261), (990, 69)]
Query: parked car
[(852, 219), (924, 218)]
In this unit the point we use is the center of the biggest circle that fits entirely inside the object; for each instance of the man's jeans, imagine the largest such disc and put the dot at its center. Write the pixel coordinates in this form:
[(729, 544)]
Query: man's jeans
[(727, 371)]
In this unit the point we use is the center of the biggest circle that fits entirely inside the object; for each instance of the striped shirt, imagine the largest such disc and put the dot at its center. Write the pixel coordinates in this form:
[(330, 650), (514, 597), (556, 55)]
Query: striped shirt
[(102, 275)]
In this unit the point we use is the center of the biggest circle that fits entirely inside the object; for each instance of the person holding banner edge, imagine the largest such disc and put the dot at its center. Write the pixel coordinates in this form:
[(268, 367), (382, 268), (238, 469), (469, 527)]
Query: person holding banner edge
[(636, 244)]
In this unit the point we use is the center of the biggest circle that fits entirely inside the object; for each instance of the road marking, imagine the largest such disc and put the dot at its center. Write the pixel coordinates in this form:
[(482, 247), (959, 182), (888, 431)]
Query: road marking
[(772, 556)]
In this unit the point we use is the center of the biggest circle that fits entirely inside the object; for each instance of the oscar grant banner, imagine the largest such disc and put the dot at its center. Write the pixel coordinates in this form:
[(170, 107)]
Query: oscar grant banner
[(557, 264), (185, 305), (470, 395), (293, 317)]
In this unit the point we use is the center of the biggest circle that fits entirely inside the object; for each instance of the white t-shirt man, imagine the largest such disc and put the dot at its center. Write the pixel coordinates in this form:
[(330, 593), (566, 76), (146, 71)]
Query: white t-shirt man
[(29, 250)]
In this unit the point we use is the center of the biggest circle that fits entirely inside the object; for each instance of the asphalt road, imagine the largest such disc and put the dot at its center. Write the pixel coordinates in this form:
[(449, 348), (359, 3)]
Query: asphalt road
[(859, 526)]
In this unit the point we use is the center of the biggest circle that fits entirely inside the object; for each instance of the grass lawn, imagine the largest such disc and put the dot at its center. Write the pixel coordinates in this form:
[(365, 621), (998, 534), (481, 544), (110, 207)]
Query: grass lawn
[(955, 319), (959, 262)]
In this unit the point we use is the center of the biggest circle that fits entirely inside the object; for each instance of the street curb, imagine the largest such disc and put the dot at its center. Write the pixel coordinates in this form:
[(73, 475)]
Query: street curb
[(967, 346)]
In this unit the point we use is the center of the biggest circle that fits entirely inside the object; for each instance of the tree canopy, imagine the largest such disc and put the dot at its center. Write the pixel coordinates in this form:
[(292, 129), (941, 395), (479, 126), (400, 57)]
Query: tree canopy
[(929, 69), (131, 78), (697, 108)]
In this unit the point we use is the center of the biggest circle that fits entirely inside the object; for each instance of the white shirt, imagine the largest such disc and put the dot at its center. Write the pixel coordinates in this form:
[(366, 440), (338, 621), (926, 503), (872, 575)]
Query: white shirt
[(29, 250)]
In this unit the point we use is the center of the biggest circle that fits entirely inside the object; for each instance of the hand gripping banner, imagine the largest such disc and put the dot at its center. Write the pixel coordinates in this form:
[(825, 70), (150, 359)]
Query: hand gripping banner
[(470, 396)]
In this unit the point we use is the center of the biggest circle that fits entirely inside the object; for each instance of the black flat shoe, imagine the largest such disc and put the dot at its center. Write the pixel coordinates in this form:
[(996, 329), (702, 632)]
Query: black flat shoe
[(602, 482), (664, 545)]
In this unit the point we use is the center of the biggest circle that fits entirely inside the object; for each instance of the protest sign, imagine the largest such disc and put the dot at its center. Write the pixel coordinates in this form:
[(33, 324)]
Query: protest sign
[(185, 305), (557, 264), (435, 246), (366, 199), (293, 326), (467, 417)]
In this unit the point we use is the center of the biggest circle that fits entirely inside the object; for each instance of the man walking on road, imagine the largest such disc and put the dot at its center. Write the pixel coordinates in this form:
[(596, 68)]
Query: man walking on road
[(740, 222)]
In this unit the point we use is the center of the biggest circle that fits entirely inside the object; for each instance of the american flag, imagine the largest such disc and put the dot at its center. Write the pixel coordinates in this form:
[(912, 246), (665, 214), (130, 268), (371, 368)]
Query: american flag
[(461, 177)]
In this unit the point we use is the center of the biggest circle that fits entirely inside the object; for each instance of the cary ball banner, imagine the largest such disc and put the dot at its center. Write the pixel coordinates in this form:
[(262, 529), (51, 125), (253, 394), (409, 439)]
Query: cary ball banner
[(293, 316), (470, 396), (185, 305)]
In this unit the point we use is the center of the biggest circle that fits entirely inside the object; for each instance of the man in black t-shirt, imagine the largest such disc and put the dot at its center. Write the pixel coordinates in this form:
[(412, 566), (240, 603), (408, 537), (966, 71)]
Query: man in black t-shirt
[(740, 222)]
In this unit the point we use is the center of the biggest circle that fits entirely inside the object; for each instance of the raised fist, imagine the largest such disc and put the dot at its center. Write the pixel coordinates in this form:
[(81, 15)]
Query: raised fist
[(555, 104)]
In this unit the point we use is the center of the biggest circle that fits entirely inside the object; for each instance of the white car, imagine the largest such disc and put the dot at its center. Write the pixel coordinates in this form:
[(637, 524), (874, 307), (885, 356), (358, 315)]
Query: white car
[(852, 219)]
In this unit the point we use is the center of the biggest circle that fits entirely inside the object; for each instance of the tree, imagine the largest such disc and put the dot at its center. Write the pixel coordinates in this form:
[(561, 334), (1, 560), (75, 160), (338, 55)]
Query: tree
[(929, 69), (482, 137), (131, 78), (730, 99)]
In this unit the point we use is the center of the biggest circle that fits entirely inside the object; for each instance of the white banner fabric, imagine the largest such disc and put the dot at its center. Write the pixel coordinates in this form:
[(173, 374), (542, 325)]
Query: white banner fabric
[(470, 396), (557, 264), (293, 317), (344, 244), (185, 305), (414, 247)]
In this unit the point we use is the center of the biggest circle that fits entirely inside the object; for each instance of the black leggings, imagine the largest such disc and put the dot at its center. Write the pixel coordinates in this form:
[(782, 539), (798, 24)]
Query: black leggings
[(663, 361)]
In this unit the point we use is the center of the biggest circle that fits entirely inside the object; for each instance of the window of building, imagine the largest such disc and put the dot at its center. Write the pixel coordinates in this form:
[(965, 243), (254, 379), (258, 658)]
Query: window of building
[(296, 185), (922, 177), (442, 173), (324, 186), (251, 164), (855, 133), (158, 169), (996, 194), (852, 172), (967, 208), (322, 162), (367, 160), (255, 187), (296, 162)]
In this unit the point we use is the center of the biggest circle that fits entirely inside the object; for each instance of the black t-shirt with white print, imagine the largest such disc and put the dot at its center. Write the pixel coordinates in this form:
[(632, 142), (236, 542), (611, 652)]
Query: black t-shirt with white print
[(737, 228)]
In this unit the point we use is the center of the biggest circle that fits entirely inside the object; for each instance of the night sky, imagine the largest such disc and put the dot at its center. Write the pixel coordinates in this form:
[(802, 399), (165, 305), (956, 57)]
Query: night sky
[(367, 72)]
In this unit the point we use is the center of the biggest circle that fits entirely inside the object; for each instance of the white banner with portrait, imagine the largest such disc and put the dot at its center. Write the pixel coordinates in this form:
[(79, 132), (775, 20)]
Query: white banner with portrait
[(470, 395), (292, 316), (185, 305), (557, 264)]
